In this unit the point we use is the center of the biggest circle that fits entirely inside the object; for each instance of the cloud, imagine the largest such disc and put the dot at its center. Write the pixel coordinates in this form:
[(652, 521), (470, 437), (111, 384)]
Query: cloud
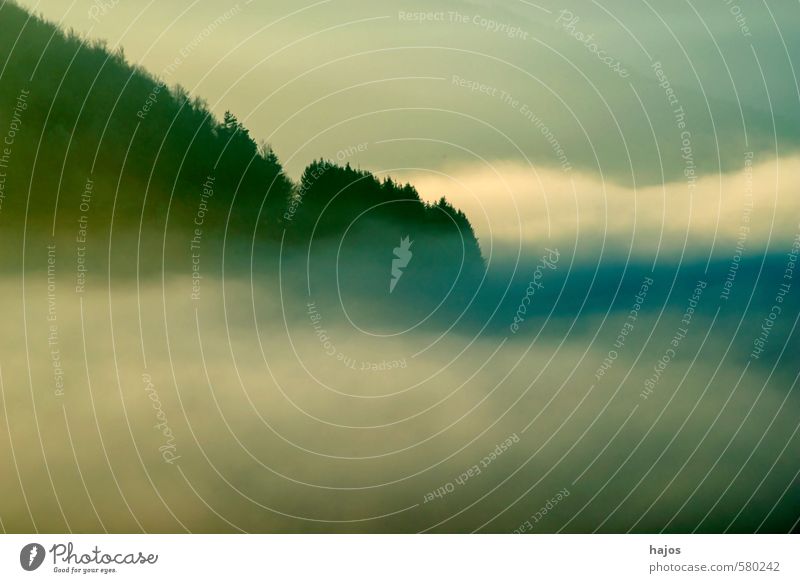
[(509, 203), (331, 77)]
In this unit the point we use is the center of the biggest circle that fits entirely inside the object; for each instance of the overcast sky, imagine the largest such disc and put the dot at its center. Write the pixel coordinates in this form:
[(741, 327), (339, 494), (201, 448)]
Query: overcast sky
[(551, 92)]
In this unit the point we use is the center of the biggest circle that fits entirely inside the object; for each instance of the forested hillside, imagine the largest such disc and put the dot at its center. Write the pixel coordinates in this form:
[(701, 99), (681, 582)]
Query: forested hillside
[(91, 138)]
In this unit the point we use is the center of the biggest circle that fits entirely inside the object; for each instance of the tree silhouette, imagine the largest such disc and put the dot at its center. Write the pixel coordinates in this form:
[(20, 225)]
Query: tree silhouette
[(150, 149)]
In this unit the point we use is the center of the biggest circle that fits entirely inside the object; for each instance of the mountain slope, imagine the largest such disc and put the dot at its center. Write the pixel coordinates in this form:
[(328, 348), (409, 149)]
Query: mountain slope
[(101, 150)]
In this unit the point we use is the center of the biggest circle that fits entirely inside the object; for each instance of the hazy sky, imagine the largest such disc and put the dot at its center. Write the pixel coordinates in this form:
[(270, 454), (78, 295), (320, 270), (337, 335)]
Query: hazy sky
[(609, 129), (424, 88)]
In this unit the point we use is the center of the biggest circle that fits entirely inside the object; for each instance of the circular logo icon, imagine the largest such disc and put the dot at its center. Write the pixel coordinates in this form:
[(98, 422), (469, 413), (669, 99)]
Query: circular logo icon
[(31, 556)]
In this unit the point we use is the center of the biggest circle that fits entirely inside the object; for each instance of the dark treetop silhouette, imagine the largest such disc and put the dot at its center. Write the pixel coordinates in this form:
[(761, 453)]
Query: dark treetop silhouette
[(146, 155)]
